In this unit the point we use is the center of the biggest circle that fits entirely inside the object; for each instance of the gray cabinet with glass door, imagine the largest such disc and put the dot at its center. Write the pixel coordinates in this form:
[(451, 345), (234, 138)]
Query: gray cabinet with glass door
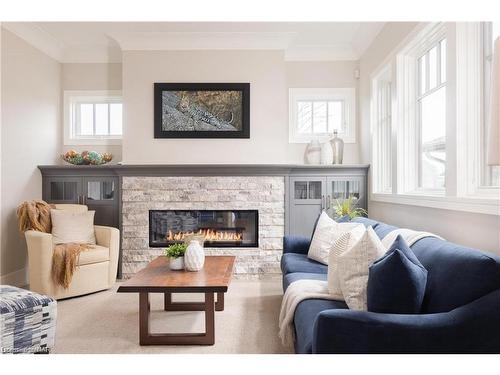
[(309, 195)]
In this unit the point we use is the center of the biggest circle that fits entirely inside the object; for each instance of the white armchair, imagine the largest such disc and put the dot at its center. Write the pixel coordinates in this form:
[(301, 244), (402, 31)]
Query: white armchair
[(96, 269)]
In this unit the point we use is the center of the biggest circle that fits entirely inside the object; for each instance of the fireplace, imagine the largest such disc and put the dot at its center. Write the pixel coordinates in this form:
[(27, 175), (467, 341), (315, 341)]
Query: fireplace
[(220, 228)]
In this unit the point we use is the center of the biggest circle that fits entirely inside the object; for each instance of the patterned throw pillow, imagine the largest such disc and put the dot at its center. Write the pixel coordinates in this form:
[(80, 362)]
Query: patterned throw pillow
[(353, 265), (397, 281), (341, 245), (326, 233)]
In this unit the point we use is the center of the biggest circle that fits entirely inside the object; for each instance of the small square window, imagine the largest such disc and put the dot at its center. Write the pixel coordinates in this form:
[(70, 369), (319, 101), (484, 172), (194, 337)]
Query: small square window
[(92, 117), (317, 113)]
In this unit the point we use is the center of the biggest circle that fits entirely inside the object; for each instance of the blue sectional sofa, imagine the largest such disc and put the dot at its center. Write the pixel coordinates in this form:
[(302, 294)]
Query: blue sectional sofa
[(460, 313)]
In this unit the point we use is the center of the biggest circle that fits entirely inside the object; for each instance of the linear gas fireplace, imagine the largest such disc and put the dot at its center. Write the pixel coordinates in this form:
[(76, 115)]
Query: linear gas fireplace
[(220, 228)]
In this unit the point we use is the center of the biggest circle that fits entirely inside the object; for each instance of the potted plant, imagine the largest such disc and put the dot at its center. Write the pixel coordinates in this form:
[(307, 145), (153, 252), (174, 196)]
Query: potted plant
[(347, 207), (175, 253)]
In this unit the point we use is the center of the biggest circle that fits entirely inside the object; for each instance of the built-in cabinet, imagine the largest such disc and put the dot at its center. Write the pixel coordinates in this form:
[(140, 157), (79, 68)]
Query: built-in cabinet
[(99, 193), (309, 195)]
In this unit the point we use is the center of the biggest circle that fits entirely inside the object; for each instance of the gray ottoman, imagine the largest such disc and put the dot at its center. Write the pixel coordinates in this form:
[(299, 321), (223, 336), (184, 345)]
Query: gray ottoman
[(27, 321)]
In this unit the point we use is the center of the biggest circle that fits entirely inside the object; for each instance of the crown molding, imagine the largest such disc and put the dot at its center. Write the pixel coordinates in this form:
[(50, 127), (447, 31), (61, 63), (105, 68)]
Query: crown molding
[(334, 52), (37, 37), (148, 41), (366, 34)]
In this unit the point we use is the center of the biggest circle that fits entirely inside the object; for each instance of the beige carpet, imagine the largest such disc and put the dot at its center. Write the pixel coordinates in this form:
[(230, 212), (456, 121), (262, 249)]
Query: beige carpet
[(107, 322)]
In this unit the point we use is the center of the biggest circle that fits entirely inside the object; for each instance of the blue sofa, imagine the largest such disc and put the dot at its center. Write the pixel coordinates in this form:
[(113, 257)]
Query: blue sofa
[(460, 312)]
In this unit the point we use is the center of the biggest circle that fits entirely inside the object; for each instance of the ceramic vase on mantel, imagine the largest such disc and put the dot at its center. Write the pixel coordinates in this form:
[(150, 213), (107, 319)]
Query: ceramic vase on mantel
[(337, 148), (194, 258), (313, 152), (326, 153), (176, 264)]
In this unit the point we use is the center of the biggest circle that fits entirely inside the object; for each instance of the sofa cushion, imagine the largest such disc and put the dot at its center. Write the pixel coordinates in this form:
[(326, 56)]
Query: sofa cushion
[(383, 229), (456, 275), (396, 282), (95, 255), (292, 262), (291, 277), (305, 316), (365, 221)]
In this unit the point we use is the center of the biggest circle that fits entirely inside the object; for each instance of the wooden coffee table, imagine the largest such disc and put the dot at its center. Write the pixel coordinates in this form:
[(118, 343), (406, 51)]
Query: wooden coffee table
[(158, 278)]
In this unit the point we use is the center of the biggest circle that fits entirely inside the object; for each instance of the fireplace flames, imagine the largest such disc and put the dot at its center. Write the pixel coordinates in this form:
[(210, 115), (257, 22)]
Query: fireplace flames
[(209, 234)]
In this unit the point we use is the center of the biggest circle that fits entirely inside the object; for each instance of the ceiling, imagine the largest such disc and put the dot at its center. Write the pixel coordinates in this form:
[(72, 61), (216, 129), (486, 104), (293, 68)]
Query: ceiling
[(105, 41)]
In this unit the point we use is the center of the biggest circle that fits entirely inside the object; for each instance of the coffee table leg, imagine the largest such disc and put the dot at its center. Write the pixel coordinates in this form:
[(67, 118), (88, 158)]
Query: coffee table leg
[(144, 308), (219, 305), (209, 318), (206, 338)]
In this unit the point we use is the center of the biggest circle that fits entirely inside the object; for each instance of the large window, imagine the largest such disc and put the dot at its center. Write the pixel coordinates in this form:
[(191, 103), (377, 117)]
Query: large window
[(491, 31), (317, 113), (92, 117), (431, 102), (439, 91)]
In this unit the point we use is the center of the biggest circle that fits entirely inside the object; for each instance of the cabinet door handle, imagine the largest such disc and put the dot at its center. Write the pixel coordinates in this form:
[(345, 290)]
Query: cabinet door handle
[(328, 202), (322, 202), (79, 199)]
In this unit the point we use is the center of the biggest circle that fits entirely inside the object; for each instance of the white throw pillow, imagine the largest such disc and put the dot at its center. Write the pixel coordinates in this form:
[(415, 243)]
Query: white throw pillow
[(353, 265), (68, 226), (327, 232), (343, 243)]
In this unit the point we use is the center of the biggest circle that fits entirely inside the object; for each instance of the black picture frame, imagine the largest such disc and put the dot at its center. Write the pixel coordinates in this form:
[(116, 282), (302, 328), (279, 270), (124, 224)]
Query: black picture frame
[(159, 88)]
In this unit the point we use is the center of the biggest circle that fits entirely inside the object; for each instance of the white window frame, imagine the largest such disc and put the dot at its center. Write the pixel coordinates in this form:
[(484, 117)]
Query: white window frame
[(486, 64), (381, 110), (74, 97), (463, 129), (345, 95)]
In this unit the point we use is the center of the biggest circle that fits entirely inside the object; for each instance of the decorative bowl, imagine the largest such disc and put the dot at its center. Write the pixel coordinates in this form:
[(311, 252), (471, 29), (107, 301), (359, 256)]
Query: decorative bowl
[(86, 157)]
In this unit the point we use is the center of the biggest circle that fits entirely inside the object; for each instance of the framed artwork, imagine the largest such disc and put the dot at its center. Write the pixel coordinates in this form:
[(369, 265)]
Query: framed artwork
[(202, 110)]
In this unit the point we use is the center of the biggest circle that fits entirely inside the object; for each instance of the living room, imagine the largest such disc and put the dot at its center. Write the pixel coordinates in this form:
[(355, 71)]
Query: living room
[(246, 184)]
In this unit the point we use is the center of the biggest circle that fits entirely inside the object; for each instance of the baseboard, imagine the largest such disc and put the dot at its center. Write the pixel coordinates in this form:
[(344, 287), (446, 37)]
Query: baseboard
[(17, 278)]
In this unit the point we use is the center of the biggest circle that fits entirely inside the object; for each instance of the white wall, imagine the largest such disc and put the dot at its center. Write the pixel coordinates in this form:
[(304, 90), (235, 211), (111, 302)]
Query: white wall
[(92, 77), (270, 77), (30, 103), (475, 230)]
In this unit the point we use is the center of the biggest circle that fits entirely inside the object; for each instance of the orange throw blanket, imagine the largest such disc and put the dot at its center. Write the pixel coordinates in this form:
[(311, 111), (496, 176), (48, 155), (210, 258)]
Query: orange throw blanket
[(35, 215)]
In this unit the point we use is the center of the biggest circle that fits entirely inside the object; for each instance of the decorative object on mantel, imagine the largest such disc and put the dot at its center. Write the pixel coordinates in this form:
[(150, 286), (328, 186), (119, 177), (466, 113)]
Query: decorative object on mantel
[(86, 157), (313, 152), (337, 147), (194, 258), (326, 153), (202, 110), (175, 253)]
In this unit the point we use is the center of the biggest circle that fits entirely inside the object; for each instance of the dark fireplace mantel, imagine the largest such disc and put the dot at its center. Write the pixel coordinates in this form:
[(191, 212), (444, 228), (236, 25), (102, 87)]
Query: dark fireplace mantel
[(150, 170)]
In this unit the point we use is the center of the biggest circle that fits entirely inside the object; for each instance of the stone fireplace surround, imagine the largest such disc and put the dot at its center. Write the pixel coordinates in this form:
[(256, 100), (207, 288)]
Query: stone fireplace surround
[(264, 193)]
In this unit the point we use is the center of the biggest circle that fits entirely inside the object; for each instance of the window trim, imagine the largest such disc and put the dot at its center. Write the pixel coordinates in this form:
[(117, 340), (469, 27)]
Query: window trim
[(345, 95), (382, 76), (72, 97)]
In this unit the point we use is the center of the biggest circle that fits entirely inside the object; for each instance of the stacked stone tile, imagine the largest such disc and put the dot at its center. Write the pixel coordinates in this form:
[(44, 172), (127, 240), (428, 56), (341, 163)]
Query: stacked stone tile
[(264, 193)]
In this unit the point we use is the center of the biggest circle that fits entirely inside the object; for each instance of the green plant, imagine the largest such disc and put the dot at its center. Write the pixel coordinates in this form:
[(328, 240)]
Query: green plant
[(348, 207), (176, 250)]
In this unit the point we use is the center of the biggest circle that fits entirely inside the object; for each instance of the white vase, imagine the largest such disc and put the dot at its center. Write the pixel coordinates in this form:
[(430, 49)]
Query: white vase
[(176, 263), (194, 257), (313, 152), (326, 153)]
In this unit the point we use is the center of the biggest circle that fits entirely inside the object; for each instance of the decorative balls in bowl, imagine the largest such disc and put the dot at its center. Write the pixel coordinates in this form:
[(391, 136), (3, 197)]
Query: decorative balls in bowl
[(86, 157)]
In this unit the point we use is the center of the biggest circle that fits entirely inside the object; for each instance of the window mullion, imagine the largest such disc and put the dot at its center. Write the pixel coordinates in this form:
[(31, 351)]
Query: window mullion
[(93, 120)]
